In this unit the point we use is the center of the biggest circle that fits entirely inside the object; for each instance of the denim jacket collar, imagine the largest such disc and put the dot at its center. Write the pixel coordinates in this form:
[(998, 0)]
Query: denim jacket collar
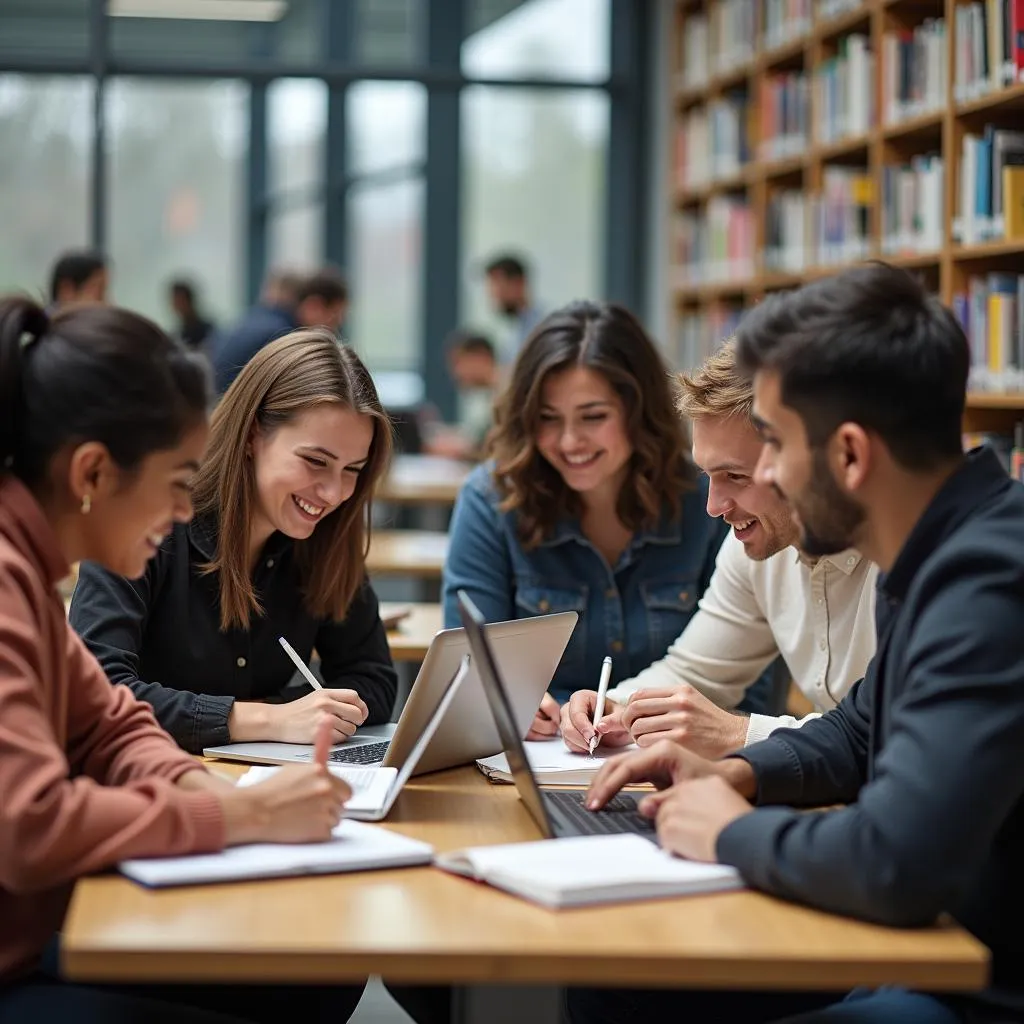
[(668, 531)]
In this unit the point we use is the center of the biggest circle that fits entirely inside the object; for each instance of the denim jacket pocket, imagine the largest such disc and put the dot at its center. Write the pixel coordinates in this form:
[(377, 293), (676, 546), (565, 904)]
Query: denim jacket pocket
[(537, 599), (668, 605)]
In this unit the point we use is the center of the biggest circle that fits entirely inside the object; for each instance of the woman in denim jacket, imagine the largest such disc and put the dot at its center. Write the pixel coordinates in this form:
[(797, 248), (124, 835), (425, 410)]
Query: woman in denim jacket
[(590, 502)]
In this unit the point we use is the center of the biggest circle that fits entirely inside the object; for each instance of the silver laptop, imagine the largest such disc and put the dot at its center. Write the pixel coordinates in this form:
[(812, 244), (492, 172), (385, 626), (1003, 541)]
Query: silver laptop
[(529, 651), (374, 790), (557, 812)]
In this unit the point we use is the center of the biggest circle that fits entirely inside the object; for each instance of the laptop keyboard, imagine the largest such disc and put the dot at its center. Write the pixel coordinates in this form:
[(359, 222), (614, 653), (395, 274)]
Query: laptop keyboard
[(365, 753), (618, 815)]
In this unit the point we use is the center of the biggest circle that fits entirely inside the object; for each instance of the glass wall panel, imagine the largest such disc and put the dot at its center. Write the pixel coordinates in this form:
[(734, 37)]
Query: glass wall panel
[(176, 188), (296, 131), (533, 176), (46, 137)]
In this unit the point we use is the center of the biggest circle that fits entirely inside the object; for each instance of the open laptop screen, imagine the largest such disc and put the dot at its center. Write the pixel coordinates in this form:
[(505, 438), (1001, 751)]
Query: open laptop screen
[(490, 676)]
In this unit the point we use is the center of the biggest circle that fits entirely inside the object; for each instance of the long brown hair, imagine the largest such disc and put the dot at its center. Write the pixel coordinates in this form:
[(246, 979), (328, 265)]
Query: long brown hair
[(609, 340), (306, 368)]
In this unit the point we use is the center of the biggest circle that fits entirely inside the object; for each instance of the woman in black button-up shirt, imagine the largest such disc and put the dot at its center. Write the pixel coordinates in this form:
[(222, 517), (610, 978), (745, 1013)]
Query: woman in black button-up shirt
[(276, 549)]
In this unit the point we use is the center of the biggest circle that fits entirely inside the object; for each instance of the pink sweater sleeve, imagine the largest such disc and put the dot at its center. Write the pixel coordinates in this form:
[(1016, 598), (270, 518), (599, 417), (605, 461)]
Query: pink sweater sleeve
[(111, 795)]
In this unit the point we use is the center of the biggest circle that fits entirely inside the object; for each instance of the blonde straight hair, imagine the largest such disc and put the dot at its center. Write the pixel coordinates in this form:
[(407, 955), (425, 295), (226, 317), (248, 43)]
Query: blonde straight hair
[(304, 369)]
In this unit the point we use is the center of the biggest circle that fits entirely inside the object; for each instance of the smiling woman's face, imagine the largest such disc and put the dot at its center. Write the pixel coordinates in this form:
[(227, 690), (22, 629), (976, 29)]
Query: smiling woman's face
[(582, 429), (307, 468)]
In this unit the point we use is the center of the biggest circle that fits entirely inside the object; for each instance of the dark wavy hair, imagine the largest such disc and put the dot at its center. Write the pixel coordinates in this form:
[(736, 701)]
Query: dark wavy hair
[(608, 340)]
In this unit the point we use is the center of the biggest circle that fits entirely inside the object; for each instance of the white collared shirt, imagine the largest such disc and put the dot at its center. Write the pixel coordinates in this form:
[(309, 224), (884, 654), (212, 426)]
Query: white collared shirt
[(819, 615)]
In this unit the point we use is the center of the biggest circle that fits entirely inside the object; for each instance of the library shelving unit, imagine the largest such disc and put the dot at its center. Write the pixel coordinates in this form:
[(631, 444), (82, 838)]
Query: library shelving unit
[(810, 135)]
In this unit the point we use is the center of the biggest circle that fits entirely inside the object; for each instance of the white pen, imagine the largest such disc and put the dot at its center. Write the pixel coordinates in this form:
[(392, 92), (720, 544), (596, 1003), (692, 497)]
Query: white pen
[(299, 664), (602, 689)]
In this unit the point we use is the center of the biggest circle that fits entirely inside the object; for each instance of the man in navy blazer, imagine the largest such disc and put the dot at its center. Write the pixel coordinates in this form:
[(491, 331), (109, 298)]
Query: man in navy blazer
[(859, 385)]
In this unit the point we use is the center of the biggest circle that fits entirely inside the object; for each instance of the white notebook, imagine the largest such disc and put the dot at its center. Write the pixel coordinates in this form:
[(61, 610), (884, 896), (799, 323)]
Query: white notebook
[(553, 763), (582, 870), (354, 847)]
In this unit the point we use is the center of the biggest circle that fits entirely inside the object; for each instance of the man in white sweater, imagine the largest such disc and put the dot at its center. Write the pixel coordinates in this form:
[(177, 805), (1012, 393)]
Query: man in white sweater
[(765, 598)]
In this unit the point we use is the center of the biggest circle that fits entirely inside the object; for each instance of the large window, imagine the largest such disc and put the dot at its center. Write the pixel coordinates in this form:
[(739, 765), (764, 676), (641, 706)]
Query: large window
[(533, 183), (403, 141), (176, 191), (297, 128), (45, 140), (386, 149)]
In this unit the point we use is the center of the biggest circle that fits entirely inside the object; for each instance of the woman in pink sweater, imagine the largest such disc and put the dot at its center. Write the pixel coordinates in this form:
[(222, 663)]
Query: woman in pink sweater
[(102, 425)]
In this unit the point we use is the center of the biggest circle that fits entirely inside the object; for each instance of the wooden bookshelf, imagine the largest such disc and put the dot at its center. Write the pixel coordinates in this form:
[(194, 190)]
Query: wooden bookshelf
[(711, 299)]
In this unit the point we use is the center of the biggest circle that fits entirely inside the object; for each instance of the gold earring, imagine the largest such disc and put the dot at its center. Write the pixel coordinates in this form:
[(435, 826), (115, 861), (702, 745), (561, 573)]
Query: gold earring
[(86, 505)]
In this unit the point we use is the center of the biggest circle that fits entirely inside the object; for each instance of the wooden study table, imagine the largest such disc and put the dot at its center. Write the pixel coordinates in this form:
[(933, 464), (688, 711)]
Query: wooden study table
[(423, 480), (417, 553), (422, 925), (409, 640)]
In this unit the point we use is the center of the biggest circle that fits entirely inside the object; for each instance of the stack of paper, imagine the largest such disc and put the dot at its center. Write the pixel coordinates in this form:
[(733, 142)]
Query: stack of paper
[(553, 763), (578, 871)]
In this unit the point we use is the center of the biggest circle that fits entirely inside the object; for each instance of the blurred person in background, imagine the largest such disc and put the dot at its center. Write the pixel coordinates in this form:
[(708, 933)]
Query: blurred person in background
[(79, 276), (193, 328), (288, 301), (473, 366), (508, 288)]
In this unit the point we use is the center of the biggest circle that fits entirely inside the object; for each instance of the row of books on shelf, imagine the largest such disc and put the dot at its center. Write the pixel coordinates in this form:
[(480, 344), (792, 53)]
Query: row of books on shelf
[(715, 43), (989, 40), (989, 310), (990, 203), (913, 200), (844, 91), (822, 229), (730, 35), (785, 21), (784, 115), (717, 244), (915, 79), (699, 334), (989, 47), (713, 141), (828, 229)]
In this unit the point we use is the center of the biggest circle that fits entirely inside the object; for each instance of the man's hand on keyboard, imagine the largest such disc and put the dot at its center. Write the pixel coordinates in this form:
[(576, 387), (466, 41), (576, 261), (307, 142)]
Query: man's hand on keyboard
[(297, 721), (692, 815), (665, 765)]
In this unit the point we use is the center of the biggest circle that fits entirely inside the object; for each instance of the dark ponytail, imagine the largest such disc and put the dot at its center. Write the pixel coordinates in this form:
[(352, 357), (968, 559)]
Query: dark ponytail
[(92, 373)]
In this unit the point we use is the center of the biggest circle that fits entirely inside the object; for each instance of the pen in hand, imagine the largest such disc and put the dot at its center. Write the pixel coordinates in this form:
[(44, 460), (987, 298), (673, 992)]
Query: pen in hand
[(299, 664), (602, 689)]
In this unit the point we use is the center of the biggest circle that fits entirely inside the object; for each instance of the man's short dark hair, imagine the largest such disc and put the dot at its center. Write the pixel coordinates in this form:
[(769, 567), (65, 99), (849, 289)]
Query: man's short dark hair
[(179, 286), (327, 284), (870, 346), (470, 343), (77, 267), (507, 265)]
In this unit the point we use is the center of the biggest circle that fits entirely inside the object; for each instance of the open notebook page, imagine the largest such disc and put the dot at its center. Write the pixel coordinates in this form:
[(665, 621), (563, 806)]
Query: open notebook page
[(370, 786), (553, 762)]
